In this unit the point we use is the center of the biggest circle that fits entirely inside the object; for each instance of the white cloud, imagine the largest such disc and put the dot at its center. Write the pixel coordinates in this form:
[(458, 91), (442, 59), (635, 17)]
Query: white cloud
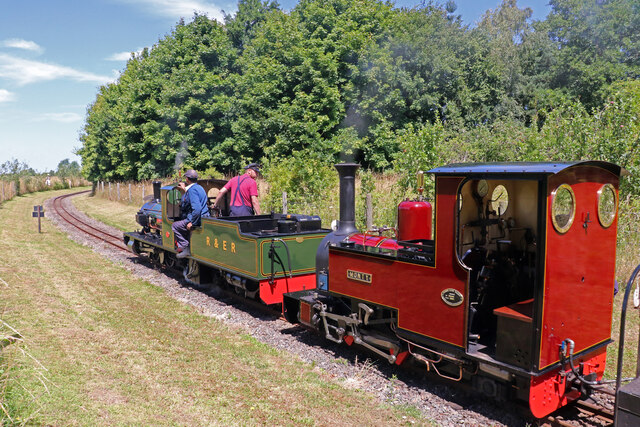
[(24, 71), (122, 56), (180, 8), (60, 117), (6, 96), (22, 44)]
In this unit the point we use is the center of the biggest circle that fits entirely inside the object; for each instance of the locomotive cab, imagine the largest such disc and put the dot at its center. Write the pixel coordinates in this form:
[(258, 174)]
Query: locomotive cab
[(497, 241), (211, 186), (538, 243)]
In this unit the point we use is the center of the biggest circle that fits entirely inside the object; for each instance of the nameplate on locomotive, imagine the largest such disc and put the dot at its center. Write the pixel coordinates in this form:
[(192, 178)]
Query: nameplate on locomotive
[(359, 276), (452, 297)]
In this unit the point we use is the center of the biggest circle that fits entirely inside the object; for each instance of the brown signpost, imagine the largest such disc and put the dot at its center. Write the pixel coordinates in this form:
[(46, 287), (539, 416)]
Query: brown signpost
[(38, 212)]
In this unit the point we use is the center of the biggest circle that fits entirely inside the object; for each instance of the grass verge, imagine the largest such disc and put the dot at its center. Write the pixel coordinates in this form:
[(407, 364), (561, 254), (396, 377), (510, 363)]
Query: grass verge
[(118, 350), (116, 214)]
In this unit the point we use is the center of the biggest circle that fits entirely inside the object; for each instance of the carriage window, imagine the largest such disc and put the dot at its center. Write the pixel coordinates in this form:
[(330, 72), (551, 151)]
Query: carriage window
[(563, 208), (607, 205), (499, 200)]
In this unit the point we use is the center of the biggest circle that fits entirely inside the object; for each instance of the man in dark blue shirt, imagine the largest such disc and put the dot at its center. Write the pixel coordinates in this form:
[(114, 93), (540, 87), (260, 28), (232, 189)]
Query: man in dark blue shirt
[(192, 207)]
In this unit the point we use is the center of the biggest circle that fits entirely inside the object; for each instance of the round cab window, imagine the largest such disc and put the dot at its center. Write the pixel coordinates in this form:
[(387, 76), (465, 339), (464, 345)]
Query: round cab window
[(563, 208), (500, 200), (607, 205)]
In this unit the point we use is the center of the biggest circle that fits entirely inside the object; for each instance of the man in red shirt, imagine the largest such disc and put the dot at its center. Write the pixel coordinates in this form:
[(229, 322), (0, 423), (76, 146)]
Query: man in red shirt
[(243, 192)]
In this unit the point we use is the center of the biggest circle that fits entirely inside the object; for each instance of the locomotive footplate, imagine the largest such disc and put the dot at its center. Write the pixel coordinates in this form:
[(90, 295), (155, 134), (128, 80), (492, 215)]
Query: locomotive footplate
[(141, 242), (152, 239)]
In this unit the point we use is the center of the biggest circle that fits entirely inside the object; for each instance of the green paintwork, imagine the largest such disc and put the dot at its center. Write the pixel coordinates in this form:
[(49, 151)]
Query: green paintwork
[(173, 195), (220, 243)]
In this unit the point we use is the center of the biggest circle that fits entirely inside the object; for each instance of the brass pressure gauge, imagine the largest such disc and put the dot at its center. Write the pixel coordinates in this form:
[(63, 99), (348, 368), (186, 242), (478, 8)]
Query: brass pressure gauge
[(480, 188)]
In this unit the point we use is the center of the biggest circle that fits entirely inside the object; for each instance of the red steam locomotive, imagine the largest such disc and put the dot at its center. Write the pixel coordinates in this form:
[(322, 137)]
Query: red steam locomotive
[(512, 291)]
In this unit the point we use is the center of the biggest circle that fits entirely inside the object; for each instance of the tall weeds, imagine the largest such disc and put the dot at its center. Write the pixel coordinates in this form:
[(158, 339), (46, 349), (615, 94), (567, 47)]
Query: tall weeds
[(10, 188), (19, 393)]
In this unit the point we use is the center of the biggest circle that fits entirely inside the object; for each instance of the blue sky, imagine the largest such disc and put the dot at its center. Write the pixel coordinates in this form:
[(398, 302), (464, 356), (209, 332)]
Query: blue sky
[(54, 55)]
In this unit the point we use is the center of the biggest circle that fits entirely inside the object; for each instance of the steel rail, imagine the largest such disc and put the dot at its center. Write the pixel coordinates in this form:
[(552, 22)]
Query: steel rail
[(85, 228)]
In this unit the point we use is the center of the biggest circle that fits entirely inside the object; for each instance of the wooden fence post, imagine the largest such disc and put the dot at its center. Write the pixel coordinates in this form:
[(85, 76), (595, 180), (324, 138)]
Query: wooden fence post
[(284, 202), (369, 212), (142, 184), (109, 190), (129, 192), (117, 191)]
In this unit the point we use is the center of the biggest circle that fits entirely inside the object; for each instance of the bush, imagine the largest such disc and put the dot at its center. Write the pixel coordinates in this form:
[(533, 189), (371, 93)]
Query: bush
[(311, 185)]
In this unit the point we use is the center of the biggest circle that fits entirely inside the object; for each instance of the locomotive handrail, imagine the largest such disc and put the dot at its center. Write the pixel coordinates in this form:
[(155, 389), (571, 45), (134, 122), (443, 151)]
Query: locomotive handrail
[(622, 327)]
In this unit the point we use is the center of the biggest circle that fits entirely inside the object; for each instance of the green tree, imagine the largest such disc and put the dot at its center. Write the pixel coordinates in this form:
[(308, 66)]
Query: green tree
[(68, 169), (597, 43), (14, 168), (168, 108), (242, 26)]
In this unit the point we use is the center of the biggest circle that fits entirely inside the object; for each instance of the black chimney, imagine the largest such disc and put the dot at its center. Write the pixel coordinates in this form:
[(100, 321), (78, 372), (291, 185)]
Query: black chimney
[(347, 173), (156, 190), (346, 224)]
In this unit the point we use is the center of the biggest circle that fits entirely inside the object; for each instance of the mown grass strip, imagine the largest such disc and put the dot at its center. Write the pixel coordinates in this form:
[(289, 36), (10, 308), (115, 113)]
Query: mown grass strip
[(118, 350)]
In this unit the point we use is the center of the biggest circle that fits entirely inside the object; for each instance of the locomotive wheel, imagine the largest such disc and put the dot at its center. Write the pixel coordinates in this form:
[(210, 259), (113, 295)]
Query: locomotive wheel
[(155, 258), (170, 260)]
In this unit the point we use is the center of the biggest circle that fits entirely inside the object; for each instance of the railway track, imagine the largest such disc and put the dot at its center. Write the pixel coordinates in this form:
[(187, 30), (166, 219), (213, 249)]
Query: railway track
[(580, 413), (81, 225)]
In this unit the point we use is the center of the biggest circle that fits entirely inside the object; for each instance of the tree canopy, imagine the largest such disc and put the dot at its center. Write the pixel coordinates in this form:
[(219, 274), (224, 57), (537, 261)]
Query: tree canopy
[(365, 81)]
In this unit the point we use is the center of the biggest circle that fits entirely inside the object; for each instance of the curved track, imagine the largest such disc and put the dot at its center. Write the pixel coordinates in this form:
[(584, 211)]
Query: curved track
[(116, 241), (78, 223)]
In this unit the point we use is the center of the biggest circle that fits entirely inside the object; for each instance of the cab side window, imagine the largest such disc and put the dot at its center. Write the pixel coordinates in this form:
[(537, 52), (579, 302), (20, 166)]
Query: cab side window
[(174, 197), (563, 208)]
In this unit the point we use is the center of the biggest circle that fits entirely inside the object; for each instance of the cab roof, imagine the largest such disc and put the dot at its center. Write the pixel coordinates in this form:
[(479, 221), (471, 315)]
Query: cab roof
[(522, 168)]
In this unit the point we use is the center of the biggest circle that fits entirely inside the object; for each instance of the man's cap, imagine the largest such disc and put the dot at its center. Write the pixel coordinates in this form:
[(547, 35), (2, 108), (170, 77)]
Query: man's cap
[(254, 166), (191, 174)]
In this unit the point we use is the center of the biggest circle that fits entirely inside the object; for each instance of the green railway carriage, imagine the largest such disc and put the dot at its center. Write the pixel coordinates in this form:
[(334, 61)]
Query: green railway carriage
[(261, 256)]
